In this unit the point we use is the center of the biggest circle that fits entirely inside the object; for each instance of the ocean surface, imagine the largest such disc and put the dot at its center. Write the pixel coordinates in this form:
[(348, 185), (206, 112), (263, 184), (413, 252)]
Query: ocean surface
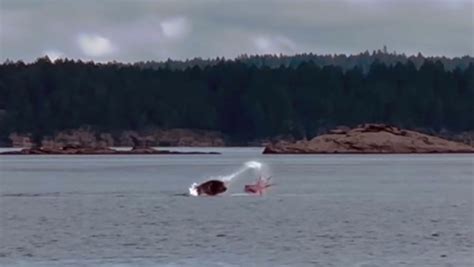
[(324, 210)]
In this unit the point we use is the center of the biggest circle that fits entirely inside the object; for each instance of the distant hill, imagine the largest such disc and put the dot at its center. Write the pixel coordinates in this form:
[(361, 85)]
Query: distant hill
[(248, 98)]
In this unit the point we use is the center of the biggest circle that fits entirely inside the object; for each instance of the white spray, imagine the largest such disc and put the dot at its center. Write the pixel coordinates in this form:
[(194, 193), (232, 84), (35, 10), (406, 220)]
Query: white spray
[(228, 178), (248, 165)]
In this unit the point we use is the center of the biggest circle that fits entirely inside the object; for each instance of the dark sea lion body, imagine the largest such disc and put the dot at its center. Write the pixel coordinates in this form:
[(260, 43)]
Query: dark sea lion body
[(211, 188)]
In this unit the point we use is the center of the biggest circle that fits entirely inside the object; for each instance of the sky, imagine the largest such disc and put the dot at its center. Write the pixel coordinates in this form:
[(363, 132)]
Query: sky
[(141, 30)]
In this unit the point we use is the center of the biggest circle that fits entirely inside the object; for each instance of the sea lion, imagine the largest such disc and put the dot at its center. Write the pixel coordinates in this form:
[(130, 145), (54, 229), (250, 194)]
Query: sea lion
[(211, 188)]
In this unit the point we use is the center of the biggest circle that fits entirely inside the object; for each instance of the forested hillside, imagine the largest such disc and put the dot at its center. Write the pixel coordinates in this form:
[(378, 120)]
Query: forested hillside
[(242, 100)]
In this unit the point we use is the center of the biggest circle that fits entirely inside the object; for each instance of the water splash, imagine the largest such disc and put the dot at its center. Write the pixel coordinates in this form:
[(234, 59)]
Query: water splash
[(248, 165), (253, 164), (228, 178), (193, 190)]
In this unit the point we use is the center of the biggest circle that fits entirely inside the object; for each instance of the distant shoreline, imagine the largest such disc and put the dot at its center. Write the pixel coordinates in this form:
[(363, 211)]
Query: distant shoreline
[(363, 139), (6, 151), (85, 150)]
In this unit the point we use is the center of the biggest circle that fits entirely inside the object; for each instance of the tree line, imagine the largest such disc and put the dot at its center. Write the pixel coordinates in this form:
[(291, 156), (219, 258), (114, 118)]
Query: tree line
[(244, 101), (346, 62)]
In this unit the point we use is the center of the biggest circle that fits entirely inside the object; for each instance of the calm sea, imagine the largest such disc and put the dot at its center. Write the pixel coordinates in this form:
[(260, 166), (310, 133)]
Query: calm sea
[(324, 210)]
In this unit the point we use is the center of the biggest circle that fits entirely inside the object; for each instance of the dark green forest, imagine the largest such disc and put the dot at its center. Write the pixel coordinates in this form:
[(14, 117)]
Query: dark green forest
[(246, 101)]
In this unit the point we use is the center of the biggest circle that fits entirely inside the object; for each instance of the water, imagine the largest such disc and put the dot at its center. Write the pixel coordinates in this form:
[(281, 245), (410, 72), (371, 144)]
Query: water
[(337, 210)]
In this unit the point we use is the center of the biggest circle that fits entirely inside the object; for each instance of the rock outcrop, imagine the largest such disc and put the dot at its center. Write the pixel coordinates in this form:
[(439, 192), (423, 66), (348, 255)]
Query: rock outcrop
[(20, 140), (85, 137), (370, 138)]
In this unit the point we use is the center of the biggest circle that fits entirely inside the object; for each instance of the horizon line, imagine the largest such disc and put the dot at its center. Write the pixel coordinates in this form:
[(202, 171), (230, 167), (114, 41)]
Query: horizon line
[(238, 57)]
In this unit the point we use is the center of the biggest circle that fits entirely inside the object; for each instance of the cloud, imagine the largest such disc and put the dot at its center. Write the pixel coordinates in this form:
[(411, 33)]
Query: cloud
[(95, 45), (53, 54), (274, 44), (175, 28), (155, 30)]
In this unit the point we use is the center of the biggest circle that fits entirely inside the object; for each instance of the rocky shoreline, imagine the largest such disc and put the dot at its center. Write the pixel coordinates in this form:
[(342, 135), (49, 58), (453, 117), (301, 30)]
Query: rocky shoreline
[(85, 141), (370, 139), (87, 137), (364, 139), (78, 150)]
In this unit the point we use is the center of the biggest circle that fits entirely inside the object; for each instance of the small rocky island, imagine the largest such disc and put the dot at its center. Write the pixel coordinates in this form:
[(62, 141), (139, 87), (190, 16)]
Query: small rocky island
[(367, 139)]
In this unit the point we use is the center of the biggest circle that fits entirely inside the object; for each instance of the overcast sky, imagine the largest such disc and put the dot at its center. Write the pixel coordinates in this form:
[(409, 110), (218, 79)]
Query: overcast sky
[(135, 30)]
